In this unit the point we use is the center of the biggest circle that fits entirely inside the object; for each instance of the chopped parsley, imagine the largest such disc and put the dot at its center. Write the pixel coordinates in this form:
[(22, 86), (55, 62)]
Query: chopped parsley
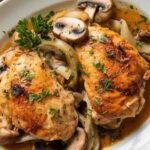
[(27, 39), (37, 97), (106, 85), (27, 75), (104, 39), (6, 93), (97, 101), (110, 54), (50, 15), (53, 112), (99, 66), (41, 26)]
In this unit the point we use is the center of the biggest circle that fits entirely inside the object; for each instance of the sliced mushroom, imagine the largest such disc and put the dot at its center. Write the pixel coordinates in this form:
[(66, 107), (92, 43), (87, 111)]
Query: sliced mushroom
[(70, 29), (103, 7), (78, 142), (143, 36), (78, 98)]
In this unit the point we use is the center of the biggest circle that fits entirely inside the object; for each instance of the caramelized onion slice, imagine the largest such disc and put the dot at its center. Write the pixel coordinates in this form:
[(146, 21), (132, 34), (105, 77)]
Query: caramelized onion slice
[(126, 33), (70, 55)]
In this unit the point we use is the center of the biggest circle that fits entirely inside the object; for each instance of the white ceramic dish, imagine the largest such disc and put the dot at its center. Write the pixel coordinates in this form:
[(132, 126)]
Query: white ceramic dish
[(13, 10)]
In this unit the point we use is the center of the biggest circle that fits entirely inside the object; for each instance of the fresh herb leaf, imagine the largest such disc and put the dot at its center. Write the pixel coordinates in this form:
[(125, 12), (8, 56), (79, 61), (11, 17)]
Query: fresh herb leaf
[(24, 73), (106, 85), (110, 54), (97, 101), (30, 76), (27, 75), (37, 97), (27, 39), (50, 15), (104, 39), (53, 112), (41, 26), (99, 66), (6, 93)]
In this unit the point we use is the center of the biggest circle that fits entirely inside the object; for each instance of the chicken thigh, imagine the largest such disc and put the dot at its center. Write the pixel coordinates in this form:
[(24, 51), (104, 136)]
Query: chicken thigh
[(113, 73), (31, 100)]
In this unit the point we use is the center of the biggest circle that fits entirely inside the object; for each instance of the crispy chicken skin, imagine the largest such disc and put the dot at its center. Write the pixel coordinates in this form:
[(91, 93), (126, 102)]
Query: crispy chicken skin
[(115, 87), (51, 118)]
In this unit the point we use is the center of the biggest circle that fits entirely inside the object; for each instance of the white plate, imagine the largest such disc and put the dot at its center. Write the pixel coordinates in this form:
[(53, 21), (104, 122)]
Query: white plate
[(13, 10)]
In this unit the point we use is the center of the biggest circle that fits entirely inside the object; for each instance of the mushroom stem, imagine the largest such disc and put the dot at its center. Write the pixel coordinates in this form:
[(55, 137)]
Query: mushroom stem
[(91, 12)]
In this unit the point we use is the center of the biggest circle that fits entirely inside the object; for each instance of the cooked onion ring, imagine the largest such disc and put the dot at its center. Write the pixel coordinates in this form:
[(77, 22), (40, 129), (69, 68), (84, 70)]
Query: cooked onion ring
[(70, 55)]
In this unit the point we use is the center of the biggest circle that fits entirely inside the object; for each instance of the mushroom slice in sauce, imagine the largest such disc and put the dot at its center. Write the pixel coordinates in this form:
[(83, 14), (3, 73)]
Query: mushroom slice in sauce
[(70, 29), (78, 142), (103, 6)]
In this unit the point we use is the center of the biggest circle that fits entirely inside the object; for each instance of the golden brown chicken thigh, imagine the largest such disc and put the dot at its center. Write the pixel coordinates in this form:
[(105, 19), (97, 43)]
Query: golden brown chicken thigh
[(113, 72), (32, 100)]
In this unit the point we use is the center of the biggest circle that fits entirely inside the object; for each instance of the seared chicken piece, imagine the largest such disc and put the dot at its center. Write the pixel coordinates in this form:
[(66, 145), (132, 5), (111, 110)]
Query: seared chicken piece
[(113, 72), (31, 99)]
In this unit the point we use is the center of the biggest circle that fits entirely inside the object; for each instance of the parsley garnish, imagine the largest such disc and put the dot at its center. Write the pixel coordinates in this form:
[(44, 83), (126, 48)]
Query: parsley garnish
[(6, 93), (99, 66), (97, 101), (106, 85), (52, 112), (27, 75), (110, 54), (41, 26), (37, 97), (104, 39), (50, 15), (27, 39)]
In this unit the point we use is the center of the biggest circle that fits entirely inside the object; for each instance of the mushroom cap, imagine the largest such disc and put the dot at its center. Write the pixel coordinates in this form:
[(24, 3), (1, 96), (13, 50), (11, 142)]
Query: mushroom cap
[(103, 5), (70, 29)]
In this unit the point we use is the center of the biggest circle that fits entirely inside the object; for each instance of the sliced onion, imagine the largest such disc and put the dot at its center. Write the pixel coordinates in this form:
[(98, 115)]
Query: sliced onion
[(115, 25), (70, 55), (125, 32), (62, 70), (91, 130), (79, 14)]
